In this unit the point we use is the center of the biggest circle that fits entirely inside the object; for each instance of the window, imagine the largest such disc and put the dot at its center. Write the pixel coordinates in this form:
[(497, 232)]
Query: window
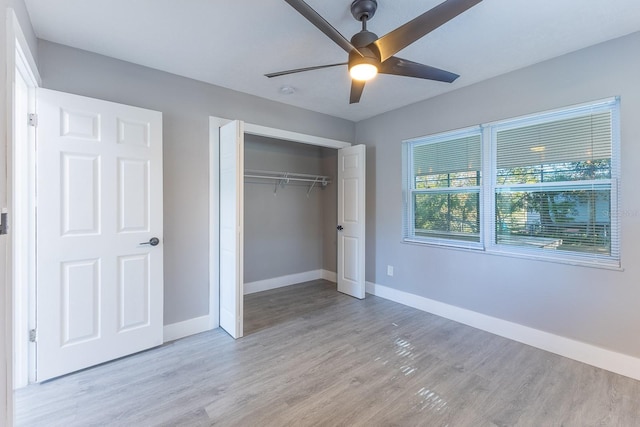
[(444, 188), (550, 186)]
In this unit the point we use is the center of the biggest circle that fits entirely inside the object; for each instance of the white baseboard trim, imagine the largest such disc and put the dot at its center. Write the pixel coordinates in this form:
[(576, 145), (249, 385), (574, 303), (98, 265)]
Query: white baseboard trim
[(587, 353), (183, 329), (288, 280), (330, 276)]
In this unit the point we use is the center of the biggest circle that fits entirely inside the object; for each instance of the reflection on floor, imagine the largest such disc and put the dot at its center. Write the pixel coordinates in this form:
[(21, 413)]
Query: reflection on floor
[(313, 356)]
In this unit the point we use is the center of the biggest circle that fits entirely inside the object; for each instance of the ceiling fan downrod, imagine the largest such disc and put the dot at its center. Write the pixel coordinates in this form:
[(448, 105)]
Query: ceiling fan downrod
[(363, 10)]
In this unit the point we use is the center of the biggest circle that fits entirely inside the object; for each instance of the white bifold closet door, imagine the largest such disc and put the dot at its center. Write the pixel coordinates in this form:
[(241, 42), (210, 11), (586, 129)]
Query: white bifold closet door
[(351, 220), (99, 228), (231, 227)]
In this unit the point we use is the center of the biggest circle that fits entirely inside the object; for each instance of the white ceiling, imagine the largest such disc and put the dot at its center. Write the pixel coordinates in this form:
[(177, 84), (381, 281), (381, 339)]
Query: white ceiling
[(233, 43)]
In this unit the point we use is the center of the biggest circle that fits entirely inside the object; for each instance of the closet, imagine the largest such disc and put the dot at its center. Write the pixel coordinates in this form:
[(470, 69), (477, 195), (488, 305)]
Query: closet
[(290, 213), (275, 224)]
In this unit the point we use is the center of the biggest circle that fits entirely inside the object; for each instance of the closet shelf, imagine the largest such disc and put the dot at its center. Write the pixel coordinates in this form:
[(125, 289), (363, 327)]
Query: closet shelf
[(283, 178)]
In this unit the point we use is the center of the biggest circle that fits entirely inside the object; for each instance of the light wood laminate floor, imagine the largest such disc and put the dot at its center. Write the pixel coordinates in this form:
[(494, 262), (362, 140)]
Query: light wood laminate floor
[(314, 357)]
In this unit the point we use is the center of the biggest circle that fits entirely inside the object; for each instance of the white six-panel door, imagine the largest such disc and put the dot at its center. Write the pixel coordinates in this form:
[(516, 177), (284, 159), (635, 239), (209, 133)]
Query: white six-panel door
[(99, 205), (351, 220), (231, 227)]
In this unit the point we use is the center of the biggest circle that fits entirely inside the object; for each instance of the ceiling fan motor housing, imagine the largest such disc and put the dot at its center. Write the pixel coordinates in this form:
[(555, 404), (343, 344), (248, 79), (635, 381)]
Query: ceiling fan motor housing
[(370, 54), (363, 39)]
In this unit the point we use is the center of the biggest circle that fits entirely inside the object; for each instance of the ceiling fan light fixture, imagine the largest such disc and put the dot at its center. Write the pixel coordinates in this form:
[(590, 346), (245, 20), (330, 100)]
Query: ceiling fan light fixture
[(365, 67), (363, 72)]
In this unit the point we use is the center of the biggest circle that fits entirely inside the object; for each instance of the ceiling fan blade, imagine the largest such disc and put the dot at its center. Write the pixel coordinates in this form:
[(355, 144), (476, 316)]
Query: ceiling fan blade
[(314, 17), (403, 36), (300, 70), (402, 67), (357, 86)]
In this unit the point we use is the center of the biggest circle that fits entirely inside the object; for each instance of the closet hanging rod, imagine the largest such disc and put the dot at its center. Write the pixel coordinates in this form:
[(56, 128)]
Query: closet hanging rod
[(288, 176)]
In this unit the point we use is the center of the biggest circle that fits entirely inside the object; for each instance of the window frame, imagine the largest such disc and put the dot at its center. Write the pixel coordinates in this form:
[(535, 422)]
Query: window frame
[(409, 234), (489, 187)]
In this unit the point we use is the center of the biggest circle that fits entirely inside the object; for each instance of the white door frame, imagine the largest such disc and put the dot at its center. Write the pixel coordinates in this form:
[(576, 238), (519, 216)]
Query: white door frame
[(20, 197), (214, 193), (23, 224)]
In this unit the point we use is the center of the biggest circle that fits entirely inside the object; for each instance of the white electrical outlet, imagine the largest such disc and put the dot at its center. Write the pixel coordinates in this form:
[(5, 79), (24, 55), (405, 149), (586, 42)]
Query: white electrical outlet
[(389, 270)]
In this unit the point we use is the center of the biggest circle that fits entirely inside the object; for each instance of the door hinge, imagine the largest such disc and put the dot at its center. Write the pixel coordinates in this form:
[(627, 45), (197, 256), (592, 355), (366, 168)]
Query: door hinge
[(33, 119), (33, 335), (4, 223)]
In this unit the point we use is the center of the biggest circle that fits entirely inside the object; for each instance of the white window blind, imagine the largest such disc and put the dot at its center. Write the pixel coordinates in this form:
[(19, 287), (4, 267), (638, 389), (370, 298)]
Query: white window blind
[(459, 154), (583, 138)]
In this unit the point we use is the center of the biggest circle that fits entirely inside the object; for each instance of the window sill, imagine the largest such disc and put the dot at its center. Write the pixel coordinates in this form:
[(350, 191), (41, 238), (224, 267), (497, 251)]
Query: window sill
[(448, 244), (568, 260), (603, 264)]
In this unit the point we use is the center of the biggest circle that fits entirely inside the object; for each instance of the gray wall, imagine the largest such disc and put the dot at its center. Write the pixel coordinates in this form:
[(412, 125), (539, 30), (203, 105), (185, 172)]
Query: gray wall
[(186, 105), (285, 231), (592, 305)]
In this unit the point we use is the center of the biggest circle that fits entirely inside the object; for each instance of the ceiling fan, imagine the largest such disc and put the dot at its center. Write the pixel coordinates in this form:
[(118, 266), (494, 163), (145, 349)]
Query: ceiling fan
[(370, 54)]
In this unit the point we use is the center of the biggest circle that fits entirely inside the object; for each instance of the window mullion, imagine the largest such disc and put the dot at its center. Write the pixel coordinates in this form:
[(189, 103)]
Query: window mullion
[(488, 194)]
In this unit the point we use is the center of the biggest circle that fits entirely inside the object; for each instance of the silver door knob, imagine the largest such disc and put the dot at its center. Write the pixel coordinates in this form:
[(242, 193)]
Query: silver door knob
[(152, 241)]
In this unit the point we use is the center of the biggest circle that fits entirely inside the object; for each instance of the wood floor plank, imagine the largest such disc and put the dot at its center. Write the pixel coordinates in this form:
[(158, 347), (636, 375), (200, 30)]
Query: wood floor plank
[(314, 357)]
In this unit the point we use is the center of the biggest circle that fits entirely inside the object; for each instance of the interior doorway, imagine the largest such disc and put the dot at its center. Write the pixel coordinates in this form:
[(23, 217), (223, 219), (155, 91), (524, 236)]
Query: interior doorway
[(227, 215), (24, 78), (23, 172)]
